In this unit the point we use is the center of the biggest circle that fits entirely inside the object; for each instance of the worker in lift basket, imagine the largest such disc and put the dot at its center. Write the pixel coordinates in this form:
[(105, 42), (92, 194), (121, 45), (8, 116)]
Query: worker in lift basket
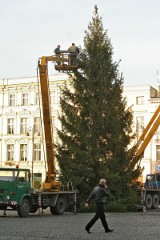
[(74, 51), (57, 51)]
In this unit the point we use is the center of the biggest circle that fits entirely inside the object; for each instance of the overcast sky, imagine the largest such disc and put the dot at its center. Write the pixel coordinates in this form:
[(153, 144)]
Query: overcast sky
[(31, 29)]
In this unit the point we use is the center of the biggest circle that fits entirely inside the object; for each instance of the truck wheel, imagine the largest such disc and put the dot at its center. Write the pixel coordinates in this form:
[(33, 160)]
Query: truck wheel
[(24, 209), (148, 201), (155, 201), (59, 208)]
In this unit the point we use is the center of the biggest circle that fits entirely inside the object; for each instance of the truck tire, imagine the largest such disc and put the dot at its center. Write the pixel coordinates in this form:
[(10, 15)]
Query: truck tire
[(148, 201), (59, 208), (155, 201), (24, 209)]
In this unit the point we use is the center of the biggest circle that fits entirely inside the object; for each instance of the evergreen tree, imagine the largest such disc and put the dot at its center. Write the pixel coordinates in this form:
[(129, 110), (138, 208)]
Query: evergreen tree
[(96, 123)]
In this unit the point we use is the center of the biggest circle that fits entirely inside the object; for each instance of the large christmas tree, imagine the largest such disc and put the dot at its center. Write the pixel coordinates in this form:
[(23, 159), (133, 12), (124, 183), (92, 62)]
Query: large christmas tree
[(96, 123)]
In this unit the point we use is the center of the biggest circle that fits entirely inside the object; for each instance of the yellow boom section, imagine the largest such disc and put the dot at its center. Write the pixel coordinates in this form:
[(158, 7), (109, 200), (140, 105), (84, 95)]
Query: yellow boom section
[(47, 123), (146, 137), (62, 63)]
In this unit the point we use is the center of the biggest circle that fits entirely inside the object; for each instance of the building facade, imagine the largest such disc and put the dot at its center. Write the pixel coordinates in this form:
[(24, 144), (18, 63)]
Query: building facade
[(21, 131), (144, 101)]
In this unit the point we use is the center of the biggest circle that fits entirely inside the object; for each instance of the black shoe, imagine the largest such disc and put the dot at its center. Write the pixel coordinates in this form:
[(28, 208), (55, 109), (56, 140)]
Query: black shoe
[(109, 230), (88, 231)]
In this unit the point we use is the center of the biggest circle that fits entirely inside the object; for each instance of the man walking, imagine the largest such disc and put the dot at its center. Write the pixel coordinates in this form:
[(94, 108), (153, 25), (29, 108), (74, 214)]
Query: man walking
[(99, 194)]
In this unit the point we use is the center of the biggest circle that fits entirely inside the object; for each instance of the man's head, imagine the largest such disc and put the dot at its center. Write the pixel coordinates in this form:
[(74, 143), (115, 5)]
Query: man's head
[(102, 181), (73, 44)]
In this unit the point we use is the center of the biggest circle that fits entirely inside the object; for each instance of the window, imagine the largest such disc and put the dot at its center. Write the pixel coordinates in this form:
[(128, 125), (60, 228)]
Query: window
[(37, 124), (53, 98), (12, 100), (10, 127), (37, 99), (37, 179), (58, 96), (139, 125), (158, 152), (158, 131), (23, 175), (10, 152), (37, 152), (53, 121), (140, 100), (24, 99), (23, 152), (24, 125)]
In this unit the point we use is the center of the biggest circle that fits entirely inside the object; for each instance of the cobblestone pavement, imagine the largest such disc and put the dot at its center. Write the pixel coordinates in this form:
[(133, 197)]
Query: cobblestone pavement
[(69, 226)]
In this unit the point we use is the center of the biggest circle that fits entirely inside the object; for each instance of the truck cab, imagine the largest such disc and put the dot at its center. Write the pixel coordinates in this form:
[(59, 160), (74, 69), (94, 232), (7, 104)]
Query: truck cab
[(15, 190), (152, 181)]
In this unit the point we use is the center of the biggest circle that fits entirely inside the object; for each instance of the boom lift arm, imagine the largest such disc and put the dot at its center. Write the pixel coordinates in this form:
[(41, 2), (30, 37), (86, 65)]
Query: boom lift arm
[(48, 132), (145, 138), (64, 60)]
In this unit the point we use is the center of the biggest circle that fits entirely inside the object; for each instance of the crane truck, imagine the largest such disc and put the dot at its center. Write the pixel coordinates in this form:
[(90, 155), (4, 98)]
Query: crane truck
[(16, 192), (150, 192)]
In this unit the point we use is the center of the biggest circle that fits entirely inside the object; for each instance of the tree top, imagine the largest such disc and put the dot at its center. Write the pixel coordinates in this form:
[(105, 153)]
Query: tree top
[(95, 9)]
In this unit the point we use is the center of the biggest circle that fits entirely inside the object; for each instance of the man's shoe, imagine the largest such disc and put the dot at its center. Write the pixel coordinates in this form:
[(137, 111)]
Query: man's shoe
[(88, 231), (109, 230)]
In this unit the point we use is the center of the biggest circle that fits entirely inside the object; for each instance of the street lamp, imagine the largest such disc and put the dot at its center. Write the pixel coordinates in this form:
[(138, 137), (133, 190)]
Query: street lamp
[(31, 131)]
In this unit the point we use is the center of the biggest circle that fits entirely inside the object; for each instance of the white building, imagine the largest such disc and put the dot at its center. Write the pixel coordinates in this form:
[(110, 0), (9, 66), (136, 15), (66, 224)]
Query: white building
[(21, 135), (144, 101)]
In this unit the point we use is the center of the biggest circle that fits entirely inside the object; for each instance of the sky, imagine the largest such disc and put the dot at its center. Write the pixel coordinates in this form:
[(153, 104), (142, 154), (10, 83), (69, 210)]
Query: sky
[(33, 28)]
